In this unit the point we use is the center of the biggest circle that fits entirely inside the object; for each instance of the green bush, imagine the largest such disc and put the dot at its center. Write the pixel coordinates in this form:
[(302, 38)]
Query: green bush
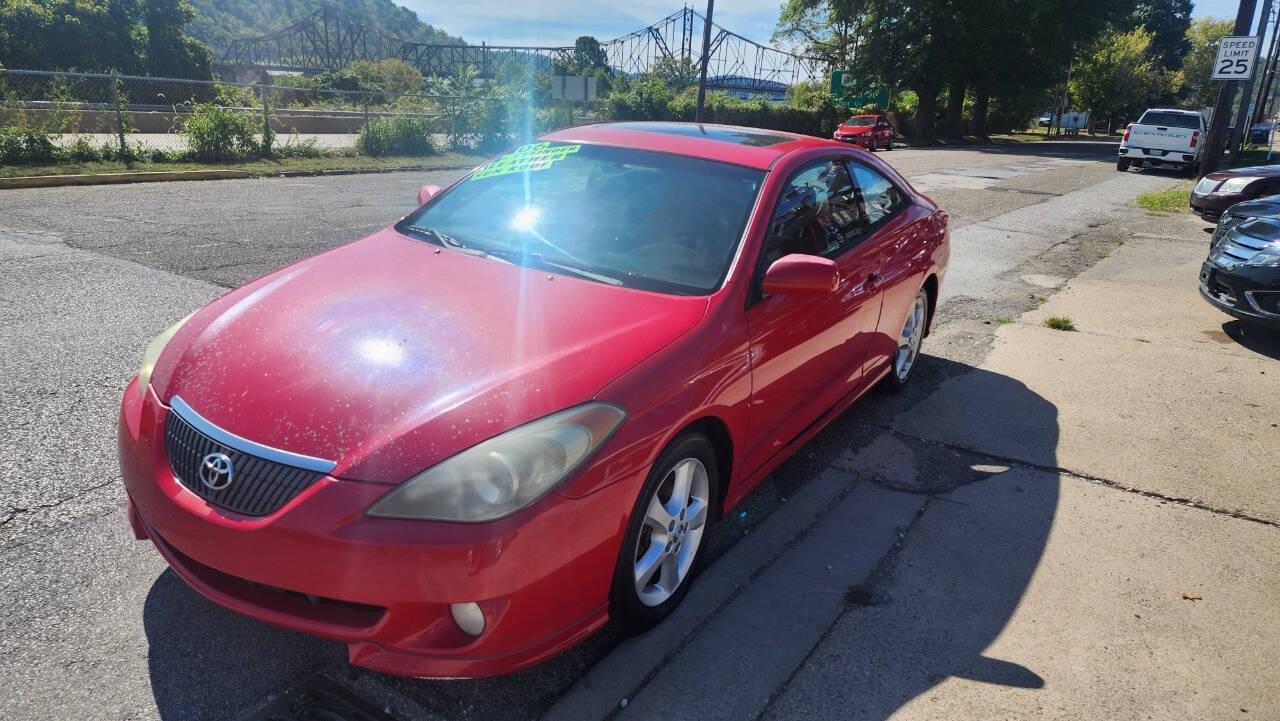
[(27, 146), (219, 135), (396, 135)]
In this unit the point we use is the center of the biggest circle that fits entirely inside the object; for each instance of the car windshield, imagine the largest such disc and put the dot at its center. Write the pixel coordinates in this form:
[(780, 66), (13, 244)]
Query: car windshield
[(860, 122), (615, 215), (1170, 120)]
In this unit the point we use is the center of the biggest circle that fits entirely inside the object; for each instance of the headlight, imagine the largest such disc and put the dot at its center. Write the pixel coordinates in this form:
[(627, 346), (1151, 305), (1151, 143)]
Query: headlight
[(1267, 257), (505, 473), (152, 354), (1235, 185)]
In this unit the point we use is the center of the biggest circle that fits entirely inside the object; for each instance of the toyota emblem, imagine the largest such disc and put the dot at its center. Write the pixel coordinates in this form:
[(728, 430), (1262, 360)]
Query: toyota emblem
[(216, 471)]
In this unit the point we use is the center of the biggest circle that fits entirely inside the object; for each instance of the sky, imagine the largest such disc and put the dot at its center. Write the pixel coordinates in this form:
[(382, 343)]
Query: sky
[(559, 22)]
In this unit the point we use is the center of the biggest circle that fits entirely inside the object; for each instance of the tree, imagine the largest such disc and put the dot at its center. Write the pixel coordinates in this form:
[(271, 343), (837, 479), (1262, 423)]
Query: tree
[(676, 73), (588, 59), (829, 30), (997, 49), (170, 53), (1199, 90), (101, 35), (1120, 73), (1167, 21)]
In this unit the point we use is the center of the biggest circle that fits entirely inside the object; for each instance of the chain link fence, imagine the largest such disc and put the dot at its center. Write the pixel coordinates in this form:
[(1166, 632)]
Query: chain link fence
[(59, 117)]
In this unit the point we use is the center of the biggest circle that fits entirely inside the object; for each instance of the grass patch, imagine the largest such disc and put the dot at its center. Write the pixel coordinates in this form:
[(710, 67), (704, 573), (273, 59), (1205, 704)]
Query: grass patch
[(1059, 322), (1003, 320), (1174, 200), (255, 167)]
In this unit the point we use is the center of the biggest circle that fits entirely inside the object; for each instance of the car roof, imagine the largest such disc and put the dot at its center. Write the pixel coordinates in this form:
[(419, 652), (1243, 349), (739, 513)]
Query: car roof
[(1181, 111), (751, 147)]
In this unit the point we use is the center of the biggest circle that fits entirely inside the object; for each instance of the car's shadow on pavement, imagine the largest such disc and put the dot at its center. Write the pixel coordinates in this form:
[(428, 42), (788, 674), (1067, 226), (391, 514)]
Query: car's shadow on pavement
[(980, 443), (1260, 340), (206, 662)]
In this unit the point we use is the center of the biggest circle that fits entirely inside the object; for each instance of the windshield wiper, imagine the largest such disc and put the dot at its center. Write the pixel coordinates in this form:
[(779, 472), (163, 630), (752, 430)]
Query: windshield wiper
[(452, 242), (575, 270)]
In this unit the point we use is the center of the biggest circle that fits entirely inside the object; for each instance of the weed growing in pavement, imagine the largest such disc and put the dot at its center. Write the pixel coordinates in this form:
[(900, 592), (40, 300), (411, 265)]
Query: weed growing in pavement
[(1059, 322), (1003, 320)]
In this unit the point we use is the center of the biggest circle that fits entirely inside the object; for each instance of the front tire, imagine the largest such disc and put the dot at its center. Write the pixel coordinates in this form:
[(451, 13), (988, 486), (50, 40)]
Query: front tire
[(888, 146), (663, 547), (1122, 164), (875, 145), (906, 358)]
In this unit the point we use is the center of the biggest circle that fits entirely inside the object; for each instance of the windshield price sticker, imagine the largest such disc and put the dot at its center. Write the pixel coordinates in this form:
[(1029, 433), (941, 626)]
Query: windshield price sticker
[(534, 156), (1236, 58)]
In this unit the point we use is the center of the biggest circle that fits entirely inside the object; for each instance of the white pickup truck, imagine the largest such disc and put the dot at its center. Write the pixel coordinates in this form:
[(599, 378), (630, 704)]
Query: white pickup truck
[(1164, 138)]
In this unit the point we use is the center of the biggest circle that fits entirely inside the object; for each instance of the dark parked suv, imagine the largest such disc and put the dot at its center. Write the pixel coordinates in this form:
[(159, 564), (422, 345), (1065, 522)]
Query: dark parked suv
[(1241, 276)]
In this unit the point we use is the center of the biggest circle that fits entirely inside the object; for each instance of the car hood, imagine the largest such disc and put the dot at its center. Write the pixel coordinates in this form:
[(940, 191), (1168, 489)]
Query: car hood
[(854, 129), (1268, 207), (1262, 228), (1261, 171), (390, 354)]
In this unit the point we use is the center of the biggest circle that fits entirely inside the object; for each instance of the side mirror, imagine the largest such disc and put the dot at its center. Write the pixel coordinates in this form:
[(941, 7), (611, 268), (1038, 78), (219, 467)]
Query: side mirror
[(799, 274), (427, 192)]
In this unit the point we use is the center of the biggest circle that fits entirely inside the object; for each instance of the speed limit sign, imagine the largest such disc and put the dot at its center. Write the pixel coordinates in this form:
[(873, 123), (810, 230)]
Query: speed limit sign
[(1236, 58)]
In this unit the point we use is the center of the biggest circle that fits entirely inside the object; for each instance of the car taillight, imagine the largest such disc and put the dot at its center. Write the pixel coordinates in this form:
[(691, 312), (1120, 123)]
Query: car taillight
[(1195, 137), (1126, 132)]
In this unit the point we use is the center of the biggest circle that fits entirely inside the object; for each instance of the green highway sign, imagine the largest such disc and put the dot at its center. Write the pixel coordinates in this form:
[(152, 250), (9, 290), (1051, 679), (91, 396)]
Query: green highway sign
[(846, 89)]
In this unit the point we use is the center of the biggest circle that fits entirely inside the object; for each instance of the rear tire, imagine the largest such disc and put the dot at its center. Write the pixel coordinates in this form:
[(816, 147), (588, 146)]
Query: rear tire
[(1122, 164), (907, 357), (664, 544)]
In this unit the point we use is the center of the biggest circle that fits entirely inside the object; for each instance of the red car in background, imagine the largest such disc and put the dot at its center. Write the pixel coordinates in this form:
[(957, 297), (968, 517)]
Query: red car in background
[(463, 443), (870, 131)]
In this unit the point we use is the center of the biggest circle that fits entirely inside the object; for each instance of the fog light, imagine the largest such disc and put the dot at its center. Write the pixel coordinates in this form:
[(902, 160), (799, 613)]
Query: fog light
[(469, 617)]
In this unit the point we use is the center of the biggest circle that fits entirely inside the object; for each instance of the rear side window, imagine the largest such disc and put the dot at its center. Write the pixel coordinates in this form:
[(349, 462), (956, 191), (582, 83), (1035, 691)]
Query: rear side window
[(880, 198), (1170, 120)]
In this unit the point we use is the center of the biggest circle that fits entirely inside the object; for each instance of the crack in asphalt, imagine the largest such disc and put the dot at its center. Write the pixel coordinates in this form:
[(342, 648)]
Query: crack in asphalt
[(1097, 480), (15, 511)]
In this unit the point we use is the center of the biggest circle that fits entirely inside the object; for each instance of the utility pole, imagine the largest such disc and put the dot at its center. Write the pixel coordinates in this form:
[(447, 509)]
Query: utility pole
[(1226, 96), (1243, 114), (1268, 73), (706, 60)]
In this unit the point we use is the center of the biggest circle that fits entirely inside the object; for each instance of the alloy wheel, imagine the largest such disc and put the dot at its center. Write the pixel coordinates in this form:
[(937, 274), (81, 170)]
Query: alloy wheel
[(909, 341), (672, 532)]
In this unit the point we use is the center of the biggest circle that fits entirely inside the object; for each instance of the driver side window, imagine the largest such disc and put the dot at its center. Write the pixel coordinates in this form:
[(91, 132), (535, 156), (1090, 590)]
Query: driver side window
[(820, 212)]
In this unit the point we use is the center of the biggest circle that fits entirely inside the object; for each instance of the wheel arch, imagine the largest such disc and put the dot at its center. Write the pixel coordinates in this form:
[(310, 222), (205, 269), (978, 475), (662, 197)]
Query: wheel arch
[(931, 287), (717, 431)]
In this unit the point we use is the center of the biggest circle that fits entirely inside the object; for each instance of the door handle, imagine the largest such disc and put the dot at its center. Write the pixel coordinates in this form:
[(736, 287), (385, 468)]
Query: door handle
[(873, 280)]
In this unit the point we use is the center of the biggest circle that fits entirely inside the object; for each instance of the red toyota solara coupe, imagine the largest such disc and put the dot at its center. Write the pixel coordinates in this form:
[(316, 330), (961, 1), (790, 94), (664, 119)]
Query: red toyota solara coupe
[(461, 444)]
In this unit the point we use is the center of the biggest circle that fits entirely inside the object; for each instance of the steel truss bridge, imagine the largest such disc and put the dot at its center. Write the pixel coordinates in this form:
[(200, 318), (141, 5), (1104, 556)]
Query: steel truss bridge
[(329, 39)]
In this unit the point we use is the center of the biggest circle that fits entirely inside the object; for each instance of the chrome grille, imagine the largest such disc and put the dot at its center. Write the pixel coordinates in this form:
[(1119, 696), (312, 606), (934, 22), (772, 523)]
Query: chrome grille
[(1225, 224), (1237, 248), (260, 486)]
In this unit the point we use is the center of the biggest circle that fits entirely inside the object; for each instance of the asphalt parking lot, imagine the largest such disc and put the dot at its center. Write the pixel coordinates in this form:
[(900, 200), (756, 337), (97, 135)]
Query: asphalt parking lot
[(95, 627)]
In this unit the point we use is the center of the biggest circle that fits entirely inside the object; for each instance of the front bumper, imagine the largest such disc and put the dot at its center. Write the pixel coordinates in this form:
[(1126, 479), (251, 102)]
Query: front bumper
[(1250, 293), (1211, 206), (384, 586), (863, 139), (1156, 158)]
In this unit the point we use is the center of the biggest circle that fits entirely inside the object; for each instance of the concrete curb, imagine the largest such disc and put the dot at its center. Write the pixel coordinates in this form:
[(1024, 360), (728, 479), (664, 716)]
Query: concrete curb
[(55, 181)]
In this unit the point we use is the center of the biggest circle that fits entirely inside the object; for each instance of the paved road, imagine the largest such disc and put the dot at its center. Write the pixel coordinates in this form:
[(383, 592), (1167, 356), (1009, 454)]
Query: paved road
[(93, 624)]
